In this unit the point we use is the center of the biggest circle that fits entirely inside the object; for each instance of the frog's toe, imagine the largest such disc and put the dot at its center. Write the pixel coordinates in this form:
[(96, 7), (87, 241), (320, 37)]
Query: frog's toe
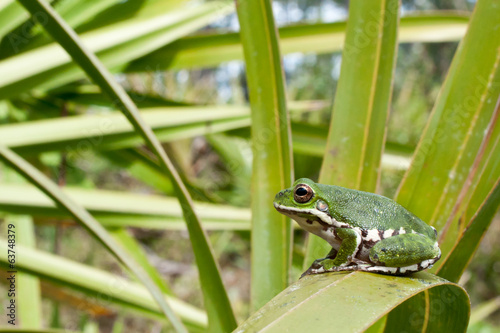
[(313, 270)]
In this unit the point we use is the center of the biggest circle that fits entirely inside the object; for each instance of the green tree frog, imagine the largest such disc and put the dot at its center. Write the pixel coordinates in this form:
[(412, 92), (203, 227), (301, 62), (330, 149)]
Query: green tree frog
[(367, 232)]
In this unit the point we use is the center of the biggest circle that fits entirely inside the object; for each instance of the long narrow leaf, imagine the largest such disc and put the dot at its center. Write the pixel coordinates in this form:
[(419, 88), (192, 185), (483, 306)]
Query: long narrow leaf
[(212, 49), (458, 153), (135, 250), (116, 46), (75, 12), (219, 310), (111, 131), (460, 256), (89, 223), (353, 302), (93, 281), (118, 209), (28, 287), (11, 15), (272, 157), (357, 129), (457, 146)]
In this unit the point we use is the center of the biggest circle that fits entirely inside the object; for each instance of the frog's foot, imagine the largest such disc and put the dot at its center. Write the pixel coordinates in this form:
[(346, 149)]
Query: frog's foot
[(327, 265), (319, 269), (316, 265), (358, 265)]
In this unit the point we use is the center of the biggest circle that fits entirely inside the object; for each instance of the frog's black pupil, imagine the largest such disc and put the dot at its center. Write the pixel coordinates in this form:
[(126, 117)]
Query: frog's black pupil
[(301, 191)]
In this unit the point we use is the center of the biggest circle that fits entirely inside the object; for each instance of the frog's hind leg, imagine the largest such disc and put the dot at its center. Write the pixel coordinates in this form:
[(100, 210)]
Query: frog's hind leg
[(403, 254)]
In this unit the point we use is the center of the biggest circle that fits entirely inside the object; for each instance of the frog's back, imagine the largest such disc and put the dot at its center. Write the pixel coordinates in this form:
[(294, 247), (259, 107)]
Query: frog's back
[(372, 211)]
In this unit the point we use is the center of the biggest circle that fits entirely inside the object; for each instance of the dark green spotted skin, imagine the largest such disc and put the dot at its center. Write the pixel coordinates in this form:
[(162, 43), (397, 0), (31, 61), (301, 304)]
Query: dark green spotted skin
[(367, 231), (362, 209)]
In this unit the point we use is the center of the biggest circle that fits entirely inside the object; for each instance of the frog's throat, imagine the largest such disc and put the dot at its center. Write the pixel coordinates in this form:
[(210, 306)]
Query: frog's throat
[(319, 214)]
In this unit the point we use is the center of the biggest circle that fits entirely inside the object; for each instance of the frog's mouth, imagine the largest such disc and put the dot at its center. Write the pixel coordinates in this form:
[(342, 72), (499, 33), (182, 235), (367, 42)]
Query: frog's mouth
[(295, 212)]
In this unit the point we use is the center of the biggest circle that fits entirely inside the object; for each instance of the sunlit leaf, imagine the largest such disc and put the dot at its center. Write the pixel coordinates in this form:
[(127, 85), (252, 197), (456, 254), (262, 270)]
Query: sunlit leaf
[(461, 254), (121, 209), (209, 50), (216, 302), (28, 298), (458, 154), (353, 302), (95, 282), (89, 223), (116, 45), (272, 168)]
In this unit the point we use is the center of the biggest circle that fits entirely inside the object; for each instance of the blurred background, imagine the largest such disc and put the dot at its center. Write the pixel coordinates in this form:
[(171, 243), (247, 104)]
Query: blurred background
[(217, 167)]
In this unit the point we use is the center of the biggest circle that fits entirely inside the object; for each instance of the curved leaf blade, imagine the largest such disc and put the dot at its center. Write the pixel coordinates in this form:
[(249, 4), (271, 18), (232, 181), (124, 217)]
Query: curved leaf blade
[(119, 209), (457, 155), (89, 223), (437, 309), (118, 290), (357, 300), (112, 130), (220, 313), (28, 296), (115, 45), (209, 50), (272, 168), (459, 257)]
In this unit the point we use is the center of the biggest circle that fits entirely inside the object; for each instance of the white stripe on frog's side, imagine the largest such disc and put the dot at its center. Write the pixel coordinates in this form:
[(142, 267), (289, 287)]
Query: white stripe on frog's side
[(388, 233), (412, 268), (321, 215), (373, 236)]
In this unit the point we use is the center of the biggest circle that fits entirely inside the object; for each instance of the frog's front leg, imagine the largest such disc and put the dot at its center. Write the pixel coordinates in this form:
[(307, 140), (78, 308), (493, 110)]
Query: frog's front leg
[(316, 265), (348, 248)]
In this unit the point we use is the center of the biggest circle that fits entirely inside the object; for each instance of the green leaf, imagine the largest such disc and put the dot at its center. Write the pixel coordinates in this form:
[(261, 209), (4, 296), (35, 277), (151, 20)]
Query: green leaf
[(210, 50), (89, 223), (433, 310), (119, 209), (116, 289), (358, 300), (115, 45), (220, 314), (74, 12), (109, 131), (461, 254), (311, 140), (12, 14), (458, 154), (29, 300), (135, 250), (271, 147), (361, 106), (113, 131)]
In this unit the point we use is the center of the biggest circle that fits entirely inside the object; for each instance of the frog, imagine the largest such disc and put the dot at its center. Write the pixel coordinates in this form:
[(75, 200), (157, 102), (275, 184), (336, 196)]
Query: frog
[(367, 232)]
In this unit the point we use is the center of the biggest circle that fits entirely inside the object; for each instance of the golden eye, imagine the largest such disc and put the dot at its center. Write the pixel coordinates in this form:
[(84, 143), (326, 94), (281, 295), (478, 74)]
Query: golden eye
[(303, 193)]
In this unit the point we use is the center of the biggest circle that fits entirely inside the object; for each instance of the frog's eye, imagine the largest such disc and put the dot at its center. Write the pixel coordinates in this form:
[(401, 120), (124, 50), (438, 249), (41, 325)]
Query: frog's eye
[(303, 193)]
